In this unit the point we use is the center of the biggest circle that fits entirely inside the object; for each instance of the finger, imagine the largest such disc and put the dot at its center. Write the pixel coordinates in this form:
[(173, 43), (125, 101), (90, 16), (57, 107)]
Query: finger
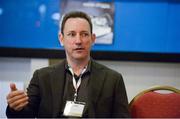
[(15, 93), (13, 87), (15, 98), (21, 106), (18, 102)]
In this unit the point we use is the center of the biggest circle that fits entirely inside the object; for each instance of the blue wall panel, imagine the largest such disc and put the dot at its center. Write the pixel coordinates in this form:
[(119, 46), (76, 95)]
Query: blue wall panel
[(139, 26)]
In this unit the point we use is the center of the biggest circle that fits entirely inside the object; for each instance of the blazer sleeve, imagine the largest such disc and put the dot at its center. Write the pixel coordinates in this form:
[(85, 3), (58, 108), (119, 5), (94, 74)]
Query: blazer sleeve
[(120, 105)]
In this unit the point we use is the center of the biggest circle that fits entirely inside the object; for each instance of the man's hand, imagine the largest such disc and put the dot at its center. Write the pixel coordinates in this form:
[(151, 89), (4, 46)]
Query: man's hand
[(16, 99)]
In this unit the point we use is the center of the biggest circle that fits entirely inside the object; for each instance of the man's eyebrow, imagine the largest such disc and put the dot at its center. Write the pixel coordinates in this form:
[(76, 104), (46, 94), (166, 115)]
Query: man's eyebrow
[(70, 31), (84, 31)]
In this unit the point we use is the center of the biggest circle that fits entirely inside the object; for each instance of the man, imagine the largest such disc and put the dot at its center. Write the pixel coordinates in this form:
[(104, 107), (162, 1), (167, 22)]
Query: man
[(76, 87)]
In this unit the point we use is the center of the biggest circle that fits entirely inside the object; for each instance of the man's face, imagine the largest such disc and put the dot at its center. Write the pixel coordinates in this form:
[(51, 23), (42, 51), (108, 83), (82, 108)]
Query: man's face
[(77, 38)]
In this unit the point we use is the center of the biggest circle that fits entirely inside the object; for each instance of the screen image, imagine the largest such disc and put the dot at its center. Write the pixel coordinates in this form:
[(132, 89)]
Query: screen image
[(141, 29)]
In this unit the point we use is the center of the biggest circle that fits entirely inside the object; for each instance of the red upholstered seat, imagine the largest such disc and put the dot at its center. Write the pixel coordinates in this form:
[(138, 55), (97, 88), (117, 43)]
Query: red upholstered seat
[(152, 104)]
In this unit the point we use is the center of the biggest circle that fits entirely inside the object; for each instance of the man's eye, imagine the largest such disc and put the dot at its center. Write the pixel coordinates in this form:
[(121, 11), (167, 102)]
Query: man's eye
[(85, 34), (71, 34)]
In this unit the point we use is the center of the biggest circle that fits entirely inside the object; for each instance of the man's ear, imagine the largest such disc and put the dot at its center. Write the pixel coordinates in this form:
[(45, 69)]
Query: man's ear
[(61, 38), (93, 38)]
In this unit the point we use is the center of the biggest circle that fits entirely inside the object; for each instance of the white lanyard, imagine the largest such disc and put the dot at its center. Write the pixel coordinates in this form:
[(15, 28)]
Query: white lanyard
[(76, 85)]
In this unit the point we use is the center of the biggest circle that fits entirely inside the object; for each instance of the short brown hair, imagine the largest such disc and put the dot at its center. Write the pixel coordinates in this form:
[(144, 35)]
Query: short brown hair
[(75, 14)]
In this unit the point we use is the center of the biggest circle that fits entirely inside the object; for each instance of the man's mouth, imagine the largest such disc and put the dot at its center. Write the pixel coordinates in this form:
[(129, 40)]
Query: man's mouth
[(79, 49)]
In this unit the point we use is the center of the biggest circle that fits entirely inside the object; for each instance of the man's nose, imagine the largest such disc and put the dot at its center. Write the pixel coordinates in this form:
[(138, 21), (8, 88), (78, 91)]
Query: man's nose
[(78, 38)]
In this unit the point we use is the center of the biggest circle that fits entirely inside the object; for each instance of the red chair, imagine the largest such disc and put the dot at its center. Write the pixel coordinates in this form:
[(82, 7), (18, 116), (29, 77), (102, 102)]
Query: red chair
[(156, 102)]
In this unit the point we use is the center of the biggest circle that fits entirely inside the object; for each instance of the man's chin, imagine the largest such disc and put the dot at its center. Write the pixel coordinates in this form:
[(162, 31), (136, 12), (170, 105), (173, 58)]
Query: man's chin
[(80, 57)]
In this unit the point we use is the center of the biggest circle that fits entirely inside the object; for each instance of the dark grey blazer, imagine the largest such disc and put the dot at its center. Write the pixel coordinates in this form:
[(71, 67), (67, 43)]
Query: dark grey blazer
[(106, 97)]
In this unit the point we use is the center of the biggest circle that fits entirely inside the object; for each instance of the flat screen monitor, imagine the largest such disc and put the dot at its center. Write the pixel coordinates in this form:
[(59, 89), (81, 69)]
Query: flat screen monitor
[(142, 30)]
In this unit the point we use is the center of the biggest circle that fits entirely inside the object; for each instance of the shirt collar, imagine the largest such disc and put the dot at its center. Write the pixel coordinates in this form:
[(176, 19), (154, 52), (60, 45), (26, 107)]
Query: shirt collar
[(87, 70)]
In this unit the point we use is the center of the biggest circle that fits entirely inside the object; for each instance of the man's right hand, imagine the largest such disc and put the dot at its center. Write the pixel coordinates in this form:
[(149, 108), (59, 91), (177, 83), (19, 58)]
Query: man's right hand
[(16, 99)]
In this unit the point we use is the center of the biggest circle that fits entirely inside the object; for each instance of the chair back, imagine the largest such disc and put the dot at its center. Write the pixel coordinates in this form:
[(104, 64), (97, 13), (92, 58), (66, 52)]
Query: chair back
[(156, 102)]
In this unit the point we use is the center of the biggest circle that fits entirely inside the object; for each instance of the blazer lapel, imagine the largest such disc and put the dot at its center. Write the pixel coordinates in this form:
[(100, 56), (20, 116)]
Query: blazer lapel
[(57, 85), (95, 86)]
